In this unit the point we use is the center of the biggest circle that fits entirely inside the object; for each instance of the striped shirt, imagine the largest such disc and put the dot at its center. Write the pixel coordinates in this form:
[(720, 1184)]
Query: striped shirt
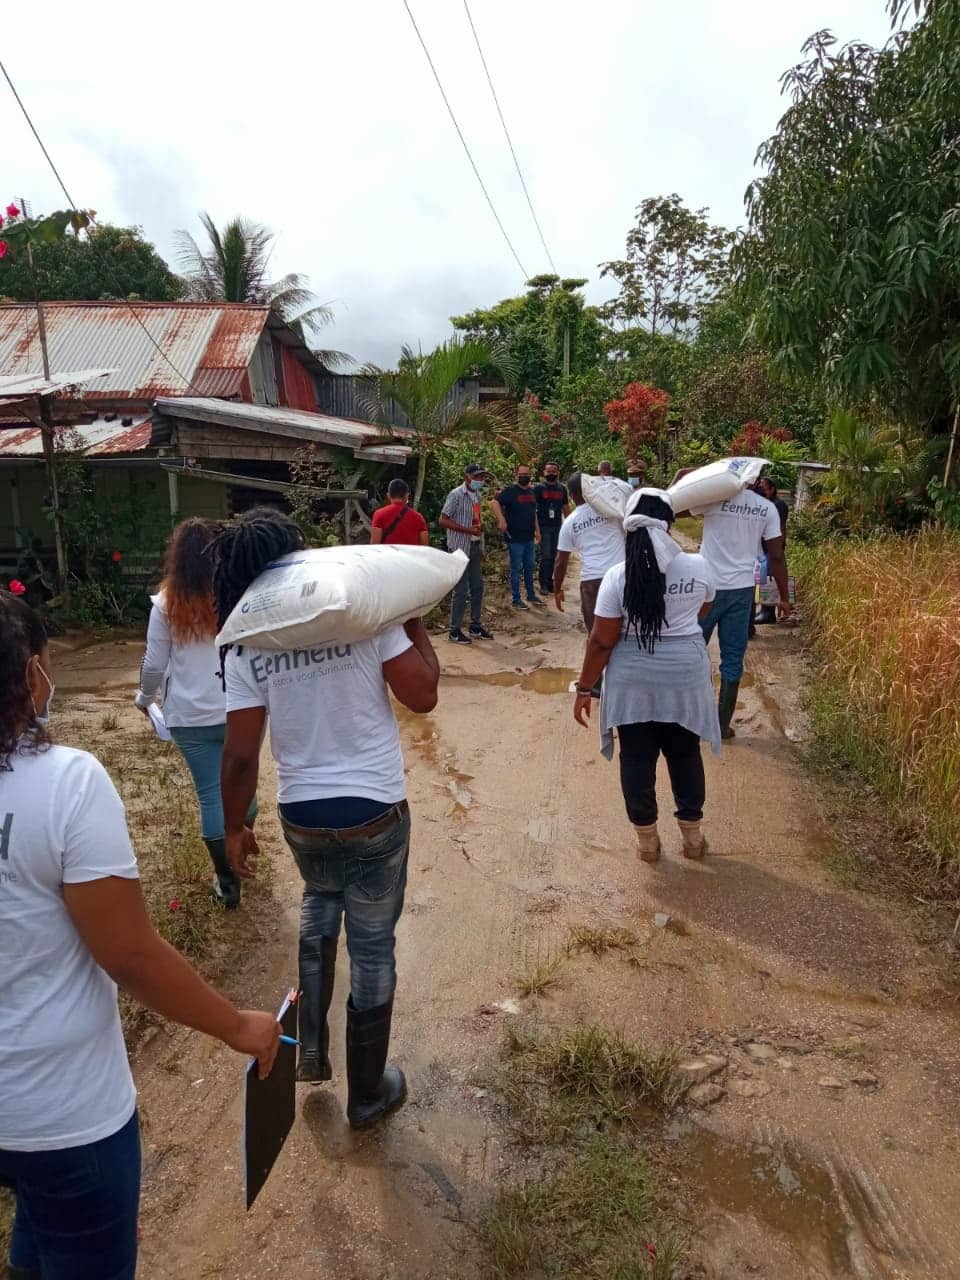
[(459, 508)]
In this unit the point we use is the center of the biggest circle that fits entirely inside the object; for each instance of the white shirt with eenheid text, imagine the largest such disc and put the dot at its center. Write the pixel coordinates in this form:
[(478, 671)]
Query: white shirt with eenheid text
[(733, 535), (332, 728)]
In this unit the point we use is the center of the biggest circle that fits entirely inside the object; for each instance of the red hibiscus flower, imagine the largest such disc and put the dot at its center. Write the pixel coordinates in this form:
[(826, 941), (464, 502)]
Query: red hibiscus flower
[(13, 211), (116, 557), (3, 248), (16, 587)]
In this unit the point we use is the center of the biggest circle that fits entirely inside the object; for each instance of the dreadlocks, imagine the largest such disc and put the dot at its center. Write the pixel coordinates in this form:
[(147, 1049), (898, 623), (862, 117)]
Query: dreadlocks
[(244, 548), (645, 585)]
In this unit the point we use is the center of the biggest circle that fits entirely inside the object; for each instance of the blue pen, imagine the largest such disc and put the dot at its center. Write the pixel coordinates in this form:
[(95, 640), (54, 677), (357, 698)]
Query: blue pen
[(289, 1040)]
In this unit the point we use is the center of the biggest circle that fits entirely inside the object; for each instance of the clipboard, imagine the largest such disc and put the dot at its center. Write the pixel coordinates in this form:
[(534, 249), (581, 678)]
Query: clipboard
[(270, 1106)]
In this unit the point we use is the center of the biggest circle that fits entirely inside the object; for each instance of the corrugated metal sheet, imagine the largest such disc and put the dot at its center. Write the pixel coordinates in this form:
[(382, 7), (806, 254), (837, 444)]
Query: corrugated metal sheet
[(23, 386), (292, 423), (92, 439), (202, 346)]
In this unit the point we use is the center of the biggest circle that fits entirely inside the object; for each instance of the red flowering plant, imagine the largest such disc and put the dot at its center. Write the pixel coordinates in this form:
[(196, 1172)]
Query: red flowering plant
[(639, 417), (19, 231), (746, 443)]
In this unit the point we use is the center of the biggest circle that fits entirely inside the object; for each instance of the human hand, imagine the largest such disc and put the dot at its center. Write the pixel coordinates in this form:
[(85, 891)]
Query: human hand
[(144, 711), (476, 528), (502, 526), (536, 536), (258, 1036), (581, 709), (243, 851), (784, 611), (558, 598)]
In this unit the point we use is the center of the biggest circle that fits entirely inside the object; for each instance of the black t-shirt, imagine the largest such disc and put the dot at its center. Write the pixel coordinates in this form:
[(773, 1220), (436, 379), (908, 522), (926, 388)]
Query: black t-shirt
[(519, 506), (551, 497), (782, 511)]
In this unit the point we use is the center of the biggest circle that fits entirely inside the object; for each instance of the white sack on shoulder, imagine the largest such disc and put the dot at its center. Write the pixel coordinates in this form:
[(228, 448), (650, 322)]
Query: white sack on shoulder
[(607, 495), (715, 483), (340, 595)]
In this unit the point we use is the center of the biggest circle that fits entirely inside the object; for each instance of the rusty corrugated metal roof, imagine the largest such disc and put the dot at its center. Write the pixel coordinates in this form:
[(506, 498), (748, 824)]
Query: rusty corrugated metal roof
[(92, 439), (203, 346)]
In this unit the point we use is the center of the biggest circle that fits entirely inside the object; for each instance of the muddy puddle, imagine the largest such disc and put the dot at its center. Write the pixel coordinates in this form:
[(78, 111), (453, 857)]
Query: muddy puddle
[(782, 1189), (541, 680)]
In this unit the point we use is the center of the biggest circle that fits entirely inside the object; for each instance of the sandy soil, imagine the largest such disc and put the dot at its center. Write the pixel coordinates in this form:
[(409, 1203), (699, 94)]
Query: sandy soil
[(804, 988)]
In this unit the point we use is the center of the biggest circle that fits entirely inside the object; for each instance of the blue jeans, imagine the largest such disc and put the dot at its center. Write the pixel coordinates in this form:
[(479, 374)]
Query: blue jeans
[(730, 614), (77, 1207), (202, 748), (522, 557), (361, 879)]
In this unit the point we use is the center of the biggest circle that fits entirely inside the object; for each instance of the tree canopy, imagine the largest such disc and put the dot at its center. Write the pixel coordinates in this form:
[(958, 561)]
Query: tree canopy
[(851, 260), (105, 262)]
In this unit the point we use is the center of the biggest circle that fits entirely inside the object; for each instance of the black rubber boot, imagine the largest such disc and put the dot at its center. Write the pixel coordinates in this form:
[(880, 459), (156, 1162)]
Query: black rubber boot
[(227, 887), (726, 706), (316, 991), (374, 1089)]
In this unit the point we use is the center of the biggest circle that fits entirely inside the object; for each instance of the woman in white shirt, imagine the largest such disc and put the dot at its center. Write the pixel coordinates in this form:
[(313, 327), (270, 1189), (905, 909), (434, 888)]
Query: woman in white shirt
[(73, 925), (182, 666), (657, 690)]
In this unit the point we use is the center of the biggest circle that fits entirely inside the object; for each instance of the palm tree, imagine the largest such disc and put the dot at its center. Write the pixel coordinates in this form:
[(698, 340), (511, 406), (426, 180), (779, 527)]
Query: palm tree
[(424, 388), (234, 269)]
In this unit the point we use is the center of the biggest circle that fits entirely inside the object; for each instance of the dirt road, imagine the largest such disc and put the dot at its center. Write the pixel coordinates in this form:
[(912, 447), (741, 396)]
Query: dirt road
[(833, 1150)]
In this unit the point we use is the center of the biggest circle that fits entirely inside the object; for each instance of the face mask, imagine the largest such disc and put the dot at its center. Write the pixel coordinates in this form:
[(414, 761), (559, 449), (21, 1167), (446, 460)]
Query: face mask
[(634, 482), (476, 485), (523, 480), (43, 717), (553, 476)]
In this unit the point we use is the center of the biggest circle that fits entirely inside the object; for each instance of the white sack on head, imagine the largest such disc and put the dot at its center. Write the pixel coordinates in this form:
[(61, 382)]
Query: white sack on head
[(340, 595), (606, 494), (715, 482)]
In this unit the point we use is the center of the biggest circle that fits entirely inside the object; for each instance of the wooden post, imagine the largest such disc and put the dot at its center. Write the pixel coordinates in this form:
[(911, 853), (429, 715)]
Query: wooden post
[(346, 521), (953, 441), (566, 351), (50, 464)]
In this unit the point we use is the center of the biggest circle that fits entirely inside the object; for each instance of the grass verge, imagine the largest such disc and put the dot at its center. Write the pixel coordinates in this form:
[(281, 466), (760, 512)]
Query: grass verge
[(884, 620), (588, 1207)]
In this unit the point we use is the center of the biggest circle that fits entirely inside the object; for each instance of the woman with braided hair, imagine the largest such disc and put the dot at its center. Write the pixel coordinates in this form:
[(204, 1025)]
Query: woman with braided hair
[(342, 801), (657, 690)]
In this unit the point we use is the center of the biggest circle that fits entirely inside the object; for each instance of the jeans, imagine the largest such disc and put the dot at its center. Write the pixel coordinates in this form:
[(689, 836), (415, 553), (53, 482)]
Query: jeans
[(360, 878), (548, 554), (730, 614), (640, 747), (202, 748), (522, 556), (77, 1207), (472, 582)]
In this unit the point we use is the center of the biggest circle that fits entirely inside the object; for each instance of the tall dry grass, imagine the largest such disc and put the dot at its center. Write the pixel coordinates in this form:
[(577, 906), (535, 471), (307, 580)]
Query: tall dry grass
[(886, 634)]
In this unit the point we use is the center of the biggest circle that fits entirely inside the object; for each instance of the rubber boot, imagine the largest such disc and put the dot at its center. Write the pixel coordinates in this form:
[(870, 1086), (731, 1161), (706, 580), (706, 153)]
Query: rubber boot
[(648, 842), (313, 1004), (373, 1088), (226, 889), (726, 706), (694, 845)]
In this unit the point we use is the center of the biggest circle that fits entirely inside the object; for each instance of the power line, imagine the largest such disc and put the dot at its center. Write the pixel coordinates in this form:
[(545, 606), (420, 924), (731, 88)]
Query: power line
[(446, 103), (506, 133), (105, 260)]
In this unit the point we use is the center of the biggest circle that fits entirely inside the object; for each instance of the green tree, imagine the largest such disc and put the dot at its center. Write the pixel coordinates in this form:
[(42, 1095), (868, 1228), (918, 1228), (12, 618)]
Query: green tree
[(675, 261), (538, 330), (106, 262), (424, 388), (851, 261), (234, 268)]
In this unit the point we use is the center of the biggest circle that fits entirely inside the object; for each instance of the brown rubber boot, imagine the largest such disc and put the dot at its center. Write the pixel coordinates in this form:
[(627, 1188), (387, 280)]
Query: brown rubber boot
[(694, 845), (648, 842)]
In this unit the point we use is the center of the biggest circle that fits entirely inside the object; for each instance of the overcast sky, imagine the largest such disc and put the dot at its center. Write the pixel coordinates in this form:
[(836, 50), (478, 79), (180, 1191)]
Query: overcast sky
[(323, 121)]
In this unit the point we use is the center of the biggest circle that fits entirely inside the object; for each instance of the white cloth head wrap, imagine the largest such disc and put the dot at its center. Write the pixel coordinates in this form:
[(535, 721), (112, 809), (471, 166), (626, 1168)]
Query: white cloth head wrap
[(664, 546)]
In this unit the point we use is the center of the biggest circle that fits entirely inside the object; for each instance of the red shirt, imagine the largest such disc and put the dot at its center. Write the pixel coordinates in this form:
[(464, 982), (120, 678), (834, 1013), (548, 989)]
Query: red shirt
[(403, 531)]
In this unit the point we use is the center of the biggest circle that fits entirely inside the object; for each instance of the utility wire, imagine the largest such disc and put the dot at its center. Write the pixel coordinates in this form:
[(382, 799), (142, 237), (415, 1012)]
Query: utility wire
[(72, 203), (446, 103), (506, 134)]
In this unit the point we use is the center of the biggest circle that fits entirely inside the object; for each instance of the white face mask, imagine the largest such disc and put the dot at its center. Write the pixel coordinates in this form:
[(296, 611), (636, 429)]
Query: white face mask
[(634, 482), (43, 717)]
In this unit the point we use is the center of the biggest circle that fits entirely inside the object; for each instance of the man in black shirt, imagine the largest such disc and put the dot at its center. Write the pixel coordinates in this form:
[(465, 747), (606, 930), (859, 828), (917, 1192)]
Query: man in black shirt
[(516, 510), (767, 613), (553, 504)]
